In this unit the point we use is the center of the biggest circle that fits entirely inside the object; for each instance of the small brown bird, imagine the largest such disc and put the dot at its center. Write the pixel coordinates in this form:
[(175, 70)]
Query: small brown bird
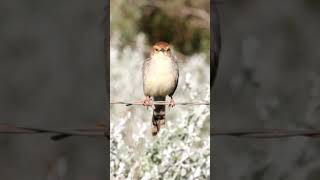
[(160, 79)]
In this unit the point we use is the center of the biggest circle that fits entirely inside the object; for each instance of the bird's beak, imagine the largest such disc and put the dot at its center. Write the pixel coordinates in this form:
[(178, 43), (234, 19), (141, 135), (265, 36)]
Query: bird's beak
[(162, 50)]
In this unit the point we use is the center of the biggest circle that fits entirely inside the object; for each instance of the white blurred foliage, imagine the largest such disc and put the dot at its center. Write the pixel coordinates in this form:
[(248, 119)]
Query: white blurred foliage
[(182, 148)]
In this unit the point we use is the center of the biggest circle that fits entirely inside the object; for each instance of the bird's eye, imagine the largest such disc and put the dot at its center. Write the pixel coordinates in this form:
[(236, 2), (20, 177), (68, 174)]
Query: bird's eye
[(168, 49), (157, 49)]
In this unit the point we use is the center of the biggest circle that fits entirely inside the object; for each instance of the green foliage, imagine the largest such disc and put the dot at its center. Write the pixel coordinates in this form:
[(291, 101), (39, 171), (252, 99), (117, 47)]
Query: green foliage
[(124, 15), (183, 23)]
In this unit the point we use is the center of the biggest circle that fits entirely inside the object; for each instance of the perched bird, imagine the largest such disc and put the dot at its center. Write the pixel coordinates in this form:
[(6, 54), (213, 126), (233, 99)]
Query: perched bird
[(160, 79)]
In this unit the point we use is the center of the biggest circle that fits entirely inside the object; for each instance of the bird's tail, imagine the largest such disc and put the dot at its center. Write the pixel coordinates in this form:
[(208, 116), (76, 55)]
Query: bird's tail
[(158, 117)]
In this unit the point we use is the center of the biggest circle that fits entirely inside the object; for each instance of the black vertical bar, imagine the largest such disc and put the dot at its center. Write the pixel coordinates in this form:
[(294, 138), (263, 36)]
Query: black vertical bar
[(107, 70), (215, 46)]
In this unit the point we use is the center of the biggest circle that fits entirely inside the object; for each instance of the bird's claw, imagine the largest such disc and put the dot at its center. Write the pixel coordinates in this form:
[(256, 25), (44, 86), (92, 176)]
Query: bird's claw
[(172, 103), (147, 102)]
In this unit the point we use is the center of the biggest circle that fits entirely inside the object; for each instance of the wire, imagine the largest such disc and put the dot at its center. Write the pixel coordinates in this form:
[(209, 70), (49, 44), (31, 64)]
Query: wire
[(103, 131), (159, 103), (58, 134), (267, 133)]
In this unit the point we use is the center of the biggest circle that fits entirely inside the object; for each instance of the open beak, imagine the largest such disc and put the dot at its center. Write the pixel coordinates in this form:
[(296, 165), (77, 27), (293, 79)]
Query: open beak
[(162, 50)]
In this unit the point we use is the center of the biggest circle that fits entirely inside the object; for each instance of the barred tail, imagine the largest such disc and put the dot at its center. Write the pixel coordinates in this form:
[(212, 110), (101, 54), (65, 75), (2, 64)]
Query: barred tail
[(158, 117)]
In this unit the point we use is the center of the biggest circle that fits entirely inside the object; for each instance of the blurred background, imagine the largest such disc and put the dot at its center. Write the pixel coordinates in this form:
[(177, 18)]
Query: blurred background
[(52, 76), (183, 23), (182, 148), (269, 77)]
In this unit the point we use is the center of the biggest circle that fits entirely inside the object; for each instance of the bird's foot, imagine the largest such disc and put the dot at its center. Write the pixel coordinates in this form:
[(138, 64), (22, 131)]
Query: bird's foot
[(172, 103), (147, 102)]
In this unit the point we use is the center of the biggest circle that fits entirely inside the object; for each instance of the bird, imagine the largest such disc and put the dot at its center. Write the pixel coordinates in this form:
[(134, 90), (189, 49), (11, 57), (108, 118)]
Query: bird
[(160, 79)]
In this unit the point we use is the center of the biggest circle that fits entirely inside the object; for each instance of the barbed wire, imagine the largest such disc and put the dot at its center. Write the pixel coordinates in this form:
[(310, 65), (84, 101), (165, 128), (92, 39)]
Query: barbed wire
[(159, 103), (102, 131)]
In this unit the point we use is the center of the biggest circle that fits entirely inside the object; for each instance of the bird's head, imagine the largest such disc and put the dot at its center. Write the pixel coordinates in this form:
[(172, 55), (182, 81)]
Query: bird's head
[(161, 48)]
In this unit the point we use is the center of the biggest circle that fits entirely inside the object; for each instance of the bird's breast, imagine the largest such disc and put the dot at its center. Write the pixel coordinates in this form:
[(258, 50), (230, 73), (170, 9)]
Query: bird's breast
[(160, 78)]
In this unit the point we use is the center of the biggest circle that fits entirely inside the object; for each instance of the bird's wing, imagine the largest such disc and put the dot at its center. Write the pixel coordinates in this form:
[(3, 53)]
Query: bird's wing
[(145, 64), (176, 71), (145, 68)]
